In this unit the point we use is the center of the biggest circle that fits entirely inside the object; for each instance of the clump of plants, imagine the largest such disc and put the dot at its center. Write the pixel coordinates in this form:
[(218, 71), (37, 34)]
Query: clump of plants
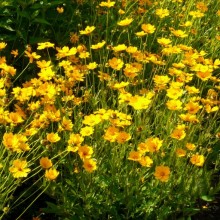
[(119, 121)]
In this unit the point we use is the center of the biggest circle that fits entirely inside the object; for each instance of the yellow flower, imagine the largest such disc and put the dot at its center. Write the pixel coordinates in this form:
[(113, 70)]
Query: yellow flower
[(178, 133), (148, 28), (88, 30), (107, 4), (125, 22), (204, 76), (51, 174), (119, 48), (86, 131), (174, 93), (174, 105), (146, 161), (44, 45), (46, 74), (164, 41), (91, 120), (162, 173), (192, 107), (197, 160), (162, 12), (60, 10), (85, 152), (123, 137), (19, 168), (134, 155), (65, 51), (140, 33), (32, 56), (2, 45), (111, 134), (178, 33), (139, 102), (53, 137), (14, 53), (89, 165), (190, 146), (92, 66), (196, 14), (116, 63), (45, 162), (180, 152), (98, 45), (153, 144), (189, 118), (75, 139)]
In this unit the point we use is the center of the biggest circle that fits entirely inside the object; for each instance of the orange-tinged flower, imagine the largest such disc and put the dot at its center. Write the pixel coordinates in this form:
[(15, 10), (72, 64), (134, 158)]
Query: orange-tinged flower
[(148, 28), (178, 133), (197, 160), (179, 33), (51, 174), (53, 137), (111, 134), (192, 107), (162, 173), (116, 63), (134, 155), (125, 22), (153, 144), (60, 10), (45, 162), (19, 168), (122, 137), (85, 152), (14, 53), (32, 56), (90, 165), (190, 146), (204, 76), (180, 152)]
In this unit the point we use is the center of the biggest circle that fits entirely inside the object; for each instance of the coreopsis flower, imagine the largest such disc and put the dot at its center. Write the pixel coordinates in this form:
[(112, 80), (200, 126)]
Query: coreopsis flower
[(131, 49), (161, 81), (140, 33), (75, 139), (122, 137), (84, 54), (174, 105), (180, 152), (19, 168), (190, 146), (191, 89), (125, 22), (10, 141), (53, 137), (107, 4), (88, 30), (146, 161), (119, 48), (179, 33), (92, 120), (51, 174), (42, 64), (98, 45), (111, 134), (134, 155), (86, 131), (148, 28), (44, 45), (174, 93), (2, 45), (201, 6), (204, 76), (14, 53), (116, 63), (178, 133), (46, 74), (32, 56), (60, 10), (89, 165), (192, 107), (164, 41), (153, 144), (189, 118), (139, 102), (92, 66), (65, 52), (45, 162), (85, 152), (162, 173), (197, 160), (15, 118), (162, 12), (196, 14)]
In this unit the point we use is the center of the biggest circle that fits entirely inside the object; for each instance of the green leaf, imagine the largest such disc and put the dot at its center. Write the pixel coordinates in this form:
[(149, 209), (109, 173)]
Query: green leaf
[(41, 21), (7, 27), (207, 198)]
